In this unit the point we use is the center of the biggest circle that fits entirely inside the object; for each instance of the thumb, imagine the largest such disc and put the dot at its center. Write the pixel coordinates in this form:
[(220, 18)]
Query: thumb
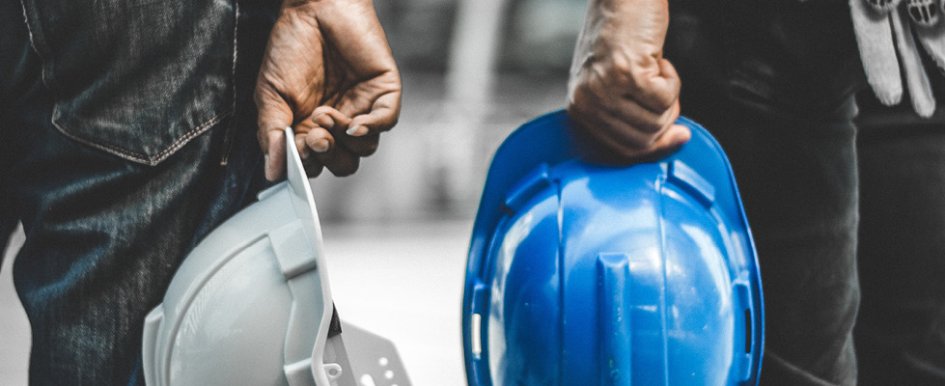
[(661, 91), (672, 138), (274, 116)]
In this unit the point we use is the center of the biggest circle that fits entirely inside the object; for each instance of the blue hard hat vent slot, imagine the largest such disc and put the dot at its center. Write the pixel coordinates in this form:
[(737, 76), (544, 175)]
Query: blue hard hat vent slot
[(689, 179), (748, 330)]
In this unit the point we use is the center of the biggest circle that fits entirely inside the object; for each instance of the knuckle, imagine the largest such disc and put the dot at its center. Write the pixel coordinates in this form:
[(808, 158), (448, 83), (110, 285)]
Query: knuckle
[(575, 99), (582, 123), (628, 154), (621, 154), (650, 127), (673, 114), (344, 170), (313, 168), (630, 78), (579, 104), (345, 164), (657, 100), (574, 110), (621, 65), (363, 146), (368, 149), (667, 100)]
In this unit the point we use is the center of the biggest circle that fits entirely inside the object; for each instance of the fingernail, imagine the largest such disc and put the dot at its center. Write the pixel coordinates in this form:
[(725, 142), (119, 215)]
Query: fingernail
[(357, 131), (321, 146), (304, 153)]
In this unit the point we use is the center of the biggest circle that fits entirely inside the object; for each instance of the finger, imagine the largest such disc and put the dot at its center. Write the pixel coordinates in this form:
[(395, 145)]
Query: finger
[(640, 126), (330, 117), (362, 146), (670, 140), (323, 119), (322, 139), (304, 151), (339, 160), (658, 93), (319, 140), (313, 167), (273, 116), (382, 116), (595, 139), (653, 143), (640, 122), (311, 139), (632, 113), (302, 130), (621, 129), (676, 136), (275, 155), (337, 123), (608, 139)]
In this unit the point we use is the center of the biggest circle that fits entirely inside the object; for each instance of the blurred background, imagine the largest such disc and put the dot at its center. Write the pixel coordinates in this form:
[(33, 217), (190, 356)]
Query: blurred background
[(396, 232)]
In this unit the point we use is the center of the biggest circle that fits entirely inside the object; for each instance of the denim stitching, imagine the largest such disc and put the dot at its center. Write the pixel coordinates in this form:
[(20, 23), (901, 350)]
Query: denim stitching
[(137, 157), (37, 42), (236, 50)]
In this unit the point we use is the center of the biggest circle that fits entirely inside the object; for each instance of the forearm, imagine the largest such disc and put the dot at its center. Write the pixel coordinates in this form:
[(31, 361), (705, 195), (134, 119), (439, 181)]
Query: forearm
[(629, 32)]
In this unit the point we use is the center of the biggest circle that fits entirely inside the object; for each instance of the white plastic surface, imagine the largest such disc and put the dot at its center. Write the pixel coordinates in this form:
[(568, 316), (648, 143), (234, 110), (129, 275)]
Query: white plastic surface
[(251, 305)]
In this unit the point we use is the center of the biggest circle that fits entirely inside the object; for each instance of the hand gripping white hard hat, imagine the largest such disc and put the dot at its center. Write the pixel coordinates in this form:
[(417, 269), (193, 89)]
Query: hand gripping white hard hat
[(251, 305)]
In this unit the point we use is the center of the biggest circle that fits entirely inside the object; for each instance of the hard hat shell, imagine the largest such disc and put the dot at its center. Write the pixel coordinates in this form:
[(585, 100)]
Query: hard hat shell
[(251, 304), (580, 274)]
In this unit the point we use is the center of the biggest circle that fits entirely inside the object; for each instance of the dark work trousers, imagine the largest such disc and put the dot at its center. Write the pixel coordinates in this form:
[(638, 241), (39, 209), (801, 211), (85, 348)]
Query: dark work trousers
[(127, 133), (900, 331), (850, 234)]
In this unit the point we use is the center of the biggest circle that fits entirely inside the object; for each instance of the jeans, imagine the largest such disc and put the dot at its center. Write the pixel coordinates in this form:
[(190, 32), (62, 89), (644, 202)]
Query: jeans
[(127, 133), (848, 213)]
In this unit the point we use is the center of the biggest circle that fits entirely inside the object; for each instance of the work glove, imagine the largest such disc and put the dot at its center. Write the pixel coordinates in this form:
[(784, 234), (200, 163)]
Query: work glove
[(889, 34)]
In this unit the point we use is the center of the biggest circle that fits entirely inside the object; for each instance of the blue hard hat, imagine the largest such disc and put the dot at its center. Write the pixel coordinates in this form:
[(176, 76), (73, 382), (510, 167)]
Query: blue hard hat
[(582, 274)]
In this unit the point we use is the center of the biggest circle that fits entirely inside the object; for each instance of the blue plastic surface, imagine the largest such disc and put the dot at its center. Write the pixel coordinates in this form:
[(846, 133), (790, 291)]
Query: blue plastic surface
[(581, 274)]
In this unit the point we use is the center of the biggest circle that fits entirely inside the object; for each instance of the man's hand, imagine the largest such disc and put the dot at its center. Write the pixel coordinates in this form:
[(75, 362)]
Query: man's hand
[(328, 72), (622, 94)]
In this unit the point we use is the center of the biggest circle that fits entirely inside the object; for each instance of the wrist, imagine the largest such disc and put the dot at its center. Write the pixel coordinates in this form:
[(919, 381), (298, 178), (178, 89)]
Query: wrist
[(314, 5), (625, 34)]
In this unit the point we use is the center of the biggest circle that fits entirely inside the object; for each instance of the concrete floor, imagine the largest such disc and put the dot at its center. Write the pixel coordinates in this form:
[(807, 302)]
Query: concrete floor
[(402, 282)]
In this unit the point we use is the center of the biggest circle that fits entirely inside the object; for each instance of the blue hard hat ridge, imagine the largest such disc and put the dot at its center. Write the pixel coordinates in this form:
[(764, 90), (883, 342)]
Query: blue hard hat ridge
[(584, 274)]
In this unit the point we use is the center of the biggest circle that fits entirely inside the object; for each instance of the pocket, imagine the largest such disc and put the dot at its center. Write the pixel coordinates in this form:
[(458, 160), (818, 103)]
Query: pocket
[(138, 79)]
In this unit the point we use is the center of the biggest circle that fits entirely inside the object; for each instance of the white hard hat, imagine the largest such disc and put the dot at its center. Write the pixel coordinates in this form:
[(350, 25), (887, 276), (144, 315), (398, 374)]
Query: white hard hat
[(251, 305)]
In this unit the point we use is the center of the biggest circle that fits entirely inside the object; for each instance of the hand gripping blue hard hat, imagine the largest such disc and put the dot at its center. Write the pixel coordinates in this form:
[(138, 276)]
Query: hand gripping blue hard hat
[(251, 305), (581, 274)]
